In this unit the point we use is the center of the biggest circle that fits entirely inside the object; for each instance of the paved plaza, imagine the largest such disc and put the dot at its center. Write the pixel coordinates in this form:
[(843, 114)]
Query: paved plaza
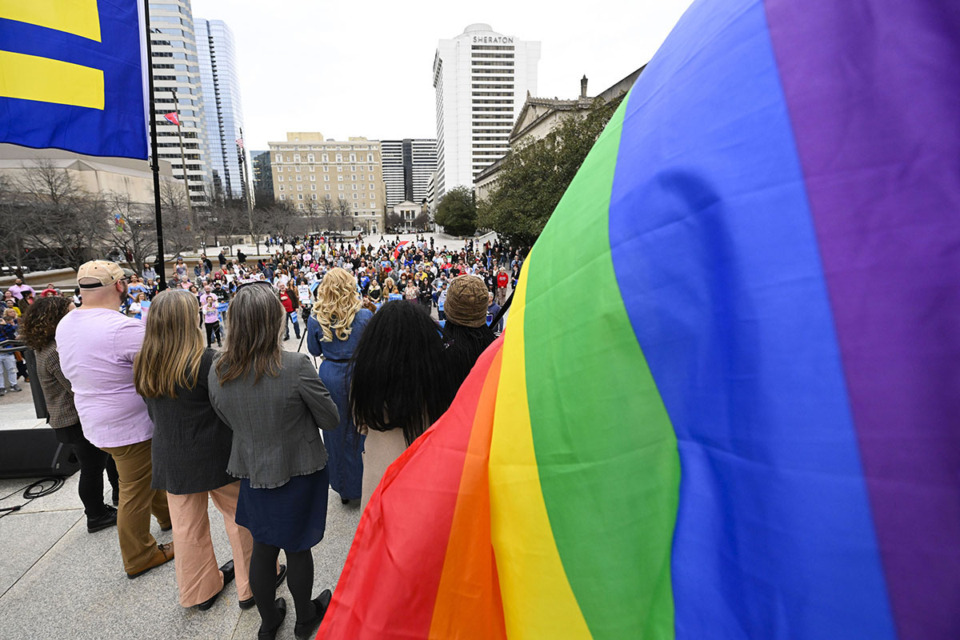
[(59, 582)]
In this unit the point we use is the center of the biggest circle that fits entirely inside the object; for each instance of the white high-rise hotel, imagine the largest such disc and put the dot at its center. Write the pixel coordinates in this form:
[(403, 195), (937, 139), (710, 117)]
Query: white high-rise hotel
[(481, 79)]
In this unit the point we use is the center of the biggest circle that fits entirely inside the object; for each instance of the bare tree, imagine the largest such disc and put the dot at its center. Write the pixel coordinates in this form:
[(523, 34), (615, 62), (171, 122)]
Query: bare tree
[(177, 234), (345, 211), (133, 232), (60, 216), (12, 229)]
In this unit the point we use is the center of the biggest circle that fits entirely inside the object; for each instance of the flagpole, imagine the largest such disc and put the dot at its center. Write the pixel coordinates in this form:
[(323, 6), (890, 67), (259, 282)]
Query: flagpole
[(161, 262), (246, 188), (183, 163)]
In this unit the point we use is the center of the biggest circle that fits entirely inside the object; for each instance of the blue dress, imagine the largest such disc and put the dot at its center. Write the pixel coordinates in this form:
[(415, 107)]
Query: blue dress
[(344, 444)]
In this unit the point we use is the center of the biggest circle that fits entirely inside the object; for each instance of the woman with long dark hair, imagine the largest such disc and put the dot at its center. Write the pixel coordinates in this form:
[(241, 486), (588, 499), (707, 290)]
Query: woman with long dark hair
[(401, 385), (334, 331), (190, 449), (38, 330), (275, 405)]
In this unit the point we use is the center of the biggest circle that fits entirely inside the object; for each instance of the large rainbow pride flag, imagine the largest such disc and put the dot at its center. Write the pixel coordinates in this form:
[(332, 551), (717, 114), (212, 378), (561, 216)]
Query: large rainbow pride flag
[(727, 402)]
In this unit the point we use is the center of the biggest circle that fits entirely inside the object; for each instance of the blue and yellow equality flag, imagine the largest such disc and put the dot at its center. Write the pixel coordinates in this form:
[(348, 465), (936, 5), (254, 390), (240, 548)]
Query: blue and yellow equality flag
[(72, 76)]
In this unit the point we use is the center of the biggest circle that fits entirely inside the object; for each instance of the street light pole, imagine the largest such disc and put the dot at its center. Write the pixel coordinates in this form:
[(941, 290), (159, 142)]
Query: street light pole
[(183, 160)]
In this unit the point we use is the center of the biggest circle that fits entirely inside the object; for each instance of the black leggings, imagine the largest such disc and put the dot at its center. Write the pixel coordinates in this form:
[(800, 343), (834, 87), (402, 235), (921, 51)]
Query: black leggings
[(93, 462), (213, 331), (263, 582)]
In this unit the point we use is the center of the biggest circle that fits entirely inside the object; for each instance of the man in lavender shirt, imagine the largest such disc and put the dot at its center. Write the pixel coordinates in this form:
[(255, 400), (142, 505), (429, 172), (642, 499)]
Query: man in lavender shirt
[(97, 346), (20, 292)]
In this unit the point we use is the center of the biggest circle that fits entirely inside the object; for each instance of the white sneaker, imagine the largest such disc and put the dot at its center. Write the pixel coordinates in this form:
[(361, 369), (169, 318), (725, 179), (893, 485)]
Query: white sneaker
[(16, 387)]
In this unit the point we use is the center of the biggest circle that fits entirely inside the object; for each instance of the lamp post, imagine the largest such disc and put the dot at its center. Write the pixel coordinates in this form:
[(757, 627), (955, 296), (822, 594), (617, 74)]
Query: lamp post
[(183, 160)]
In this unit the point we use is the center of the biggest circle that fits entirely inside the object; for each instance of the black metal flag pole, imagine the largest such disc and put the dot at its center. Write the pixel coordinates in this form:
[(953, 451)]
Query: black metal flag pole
[(155, 159)]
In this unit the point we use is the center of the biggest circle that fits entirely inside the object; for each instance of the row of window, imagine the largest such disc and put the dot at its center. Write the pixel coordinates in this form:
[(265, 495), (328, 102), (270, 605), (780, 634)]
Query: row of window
[(323, 158), (176, 67), (326, 187), (353, 169), (283, 196), (499, 85), (492, 47), (176, 55)]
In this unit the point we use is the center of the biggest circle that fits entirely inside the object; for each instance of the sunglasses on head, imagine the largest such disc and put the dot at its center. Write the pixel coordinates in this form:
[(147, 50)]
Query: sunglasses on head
[(247, 284)]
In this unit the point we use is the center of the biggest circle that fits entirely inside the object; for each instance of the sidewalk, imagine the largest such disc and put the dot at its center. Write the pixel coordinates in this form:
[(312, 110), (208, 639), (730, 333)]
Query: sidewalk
[(58, 581)]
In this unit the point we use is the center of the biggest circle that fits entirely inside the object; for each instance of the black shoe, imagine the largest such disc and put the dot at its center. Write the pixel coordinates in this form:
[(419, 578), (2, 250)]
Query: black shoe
[(228, 576), (167, 528), (345, 500), (107, 520), (305, 630), (271, 634), (249, 602)]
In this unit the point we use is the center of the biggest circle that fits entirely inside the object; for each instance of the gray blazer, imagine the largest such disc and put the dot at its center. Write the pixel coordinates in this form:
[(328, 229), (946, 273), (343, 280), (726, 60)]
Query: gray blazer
[(275, 422)]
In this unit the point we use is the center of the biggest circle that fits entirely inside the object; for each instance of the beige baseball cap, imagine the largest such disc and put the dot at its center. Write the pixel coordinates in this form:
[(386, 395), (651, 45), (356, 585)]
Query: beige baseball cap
[(104, 272)]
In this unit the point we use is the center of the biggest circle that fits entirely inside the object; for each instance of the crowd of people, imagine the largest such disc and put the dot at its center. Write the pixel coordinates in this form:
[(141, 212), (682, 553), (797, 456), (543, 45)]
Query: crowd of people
[(133, 383)]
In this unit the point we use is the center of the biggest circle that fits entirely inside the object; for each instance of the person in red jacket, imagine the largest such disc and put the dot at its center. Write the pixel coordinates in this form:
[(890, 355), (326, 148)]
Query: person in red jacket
[(288, 298), (502, 281)]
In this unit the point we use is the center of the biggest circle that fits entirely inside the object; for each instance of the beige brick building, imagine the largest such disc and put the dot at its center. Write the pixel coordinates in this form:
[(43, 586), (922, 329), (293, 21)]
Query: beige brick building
[(326, 177)]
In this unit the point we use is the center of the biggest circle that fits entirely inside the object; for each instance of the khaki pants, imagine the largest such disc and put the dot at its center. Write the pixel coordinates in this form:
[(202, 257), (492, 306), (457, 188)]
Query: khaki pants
[(198, 575), (137, 502)]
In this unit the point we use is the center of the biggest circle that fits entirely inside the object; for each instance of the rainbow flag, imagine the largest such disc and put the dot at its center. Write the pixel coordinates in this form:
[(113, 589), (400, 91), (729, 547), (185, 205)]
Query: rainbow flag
[(727, 401)]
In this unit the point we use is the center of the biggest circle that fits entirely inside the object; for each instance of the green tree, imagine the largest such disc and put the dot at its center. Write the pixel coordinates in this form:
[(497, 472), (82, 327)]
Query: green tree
[(457, 213), (535, 176)]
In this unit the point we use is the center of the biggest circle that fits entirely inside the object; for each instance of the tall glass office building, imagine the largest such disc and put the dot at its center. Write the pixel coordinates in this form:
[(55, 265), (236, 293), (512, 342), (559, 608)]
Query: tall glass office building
[(176, 73), (223, 113)]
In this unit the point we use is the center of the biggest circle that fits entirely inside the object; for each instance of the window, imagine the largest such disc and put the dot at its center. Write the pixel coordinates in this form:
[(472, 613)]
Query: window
[(339, 169), (339, 178), (326, 178), (313, 187), (297, 169), (312, 178), (299, 187), (299, 196), (340, 187), (353, 157), (279, 178), (313, 197), (279, 169), (325, 158), (279, 157), (326, 169), (326, 187), (283, 197), (299, 178), (339, 157), (310, 157), (296, 157), (312, 168), (354, 187), (369, 157)]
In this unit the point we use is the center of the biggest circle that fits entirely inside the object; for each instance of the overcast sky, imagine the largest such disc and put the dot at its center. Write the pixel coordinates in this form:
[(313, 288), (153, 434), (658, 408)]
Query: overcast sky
[(364, 68)]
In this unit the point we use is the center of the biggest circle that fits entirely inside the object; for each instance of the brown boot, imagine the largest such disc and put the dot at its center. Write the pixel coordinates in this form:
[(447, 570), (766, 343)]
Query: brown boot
[(163, 555)]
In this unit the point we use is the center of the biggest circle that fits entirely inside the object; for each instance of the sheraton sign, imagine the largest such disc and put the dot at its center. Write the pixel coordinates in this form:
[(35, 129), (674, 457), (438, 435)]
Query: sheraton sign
[(492, 39)]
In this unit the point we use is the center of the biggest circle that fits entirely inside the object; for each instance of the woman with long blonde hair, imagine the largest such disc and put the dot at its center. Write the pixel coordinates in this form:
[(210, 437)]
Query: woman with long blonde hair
[(275, 405), (191, 447), (333, 332)]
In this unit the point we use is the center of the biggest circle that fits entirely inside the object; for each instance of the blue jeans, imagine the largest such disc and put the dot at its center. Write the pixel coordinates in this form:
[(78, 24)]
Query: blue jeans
[(286, 326), (8, 369)]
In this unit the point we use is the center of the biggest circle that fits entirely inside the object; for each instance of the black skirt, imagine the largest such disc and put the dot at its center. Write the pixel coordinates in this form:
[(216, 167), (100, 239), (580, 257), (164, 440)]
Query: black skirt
[(292, 517)]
